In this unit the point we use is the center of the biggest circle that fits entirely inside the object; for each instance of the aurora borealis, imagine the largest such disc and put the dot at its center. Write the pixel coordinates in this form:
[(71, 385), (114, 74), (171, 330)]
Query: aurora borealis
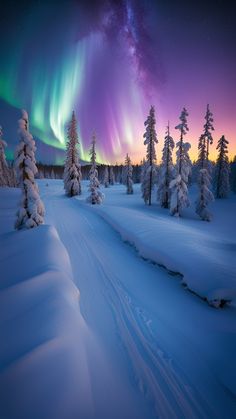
[(109, 61)]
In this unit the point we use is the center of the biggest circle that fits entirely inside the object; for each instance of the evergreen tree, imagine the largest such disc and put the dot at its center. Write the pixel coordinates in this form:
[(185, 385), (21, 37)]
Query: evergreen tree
[(204, 179), (166, 171), (96, 196), (72, 171), (111, 176), (106, 177), (208, 127), (31, 210), (150, 167), (222, 186), (233, 174), (4, 171), (179, 189), (129, 171)]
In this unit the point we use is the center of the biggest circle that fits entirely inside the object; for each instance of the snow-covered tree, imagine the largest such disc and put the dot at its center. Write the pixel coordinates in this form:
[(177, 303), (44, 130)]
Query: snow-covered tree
[(208, 128), (111, 176), (166, 171), (31, 210), (179, 189), (149, 176), (96, 196), (205, 196), (4, 171), (53, 174), (128, 173), (72, 171), (222, 186), (106, 177)]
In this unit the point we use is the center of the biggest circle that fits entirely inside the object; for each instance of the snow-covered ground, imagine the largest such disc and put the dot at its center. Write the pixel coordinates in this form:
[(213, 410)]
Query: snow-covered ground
[(204, 253), (137, 345)]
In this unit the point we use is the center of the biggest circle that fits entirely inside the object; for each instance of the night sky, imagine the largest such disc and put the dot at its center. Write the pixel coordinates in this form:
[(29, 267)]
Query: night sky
[(109, 61)]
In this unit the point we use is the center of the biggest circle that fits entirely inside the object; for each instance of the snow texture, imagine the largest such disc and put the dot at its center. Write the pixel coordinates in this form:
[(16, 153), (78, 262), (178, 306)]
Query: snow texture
[(143, 354)]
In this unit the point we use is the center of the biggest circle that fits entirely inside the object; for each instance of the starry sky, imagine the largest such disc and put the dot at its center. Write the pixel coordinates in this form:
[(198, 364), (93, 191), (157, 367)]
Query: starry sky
[(109, 61)]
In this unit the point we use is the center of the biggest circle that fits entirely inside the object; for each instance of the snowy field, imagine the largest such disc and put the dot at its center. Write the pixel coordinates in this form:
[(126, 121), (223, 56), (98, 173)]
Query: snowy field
[(94, 328)]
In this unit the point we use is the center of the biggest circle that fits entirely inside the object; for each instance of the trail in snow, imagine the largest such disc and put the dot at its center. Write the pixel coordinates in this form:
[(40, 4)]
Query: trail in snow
[(127, 304)]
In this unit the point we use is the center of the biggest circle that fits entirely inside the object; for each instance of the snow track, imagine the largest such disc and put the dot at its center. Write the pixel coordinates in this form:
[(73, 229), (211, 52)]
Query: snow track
[(138, 314)]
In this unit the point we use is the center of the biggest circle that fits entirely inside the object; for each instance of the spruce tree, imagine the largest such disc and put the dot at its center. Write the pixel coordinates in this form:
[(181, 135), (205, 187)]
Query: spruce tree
[(149, 176), (204, 179), (72, 171), (4, 171), (222, 186), (179, 186), (31, 209), (106, 177), (208, 128), (166, 171), (111, 176), (96, 196), (128, 171)]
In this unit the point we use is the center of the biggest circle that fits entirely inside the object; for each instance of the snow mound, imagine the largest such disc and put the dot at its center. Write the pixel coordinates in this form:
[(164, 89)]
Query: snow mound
[(43, 336), (207, 263)]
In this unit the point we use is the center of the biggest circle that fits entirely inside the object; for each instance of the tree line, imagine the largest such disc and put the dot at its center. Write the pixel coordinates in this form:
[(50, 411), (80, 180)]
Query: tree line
[(171, 180)]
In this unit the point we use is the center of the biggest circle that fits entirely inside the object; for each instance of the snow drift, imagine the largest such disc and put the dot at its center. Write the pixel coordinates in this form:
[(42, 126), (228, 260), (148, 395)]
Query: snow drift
[(43, 335), (206, 261)]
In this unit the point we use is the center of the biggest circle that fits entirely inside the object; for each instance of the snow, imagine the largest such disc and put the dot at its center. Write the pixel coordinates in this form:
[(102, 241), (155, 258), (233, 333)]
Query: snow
[(137, 345), (184, 244)]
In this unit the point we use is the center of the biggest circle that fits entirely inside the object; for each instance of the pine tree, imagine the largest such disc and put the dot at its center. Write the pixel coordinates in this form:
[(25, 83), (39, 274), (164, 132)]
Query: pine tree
[(208, 127), (222, 187), (204, 179), (72, 171), (128, 170), (31, 210), (166, 171), (179, 189), (150, 166), (4, 171), (111, 176), (96, 196), (106, 177)]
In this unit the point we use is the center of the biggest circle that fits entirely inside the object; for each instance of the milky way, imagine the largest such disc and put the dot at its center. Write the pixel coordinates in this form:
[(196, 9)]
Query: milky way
[(101, 59)]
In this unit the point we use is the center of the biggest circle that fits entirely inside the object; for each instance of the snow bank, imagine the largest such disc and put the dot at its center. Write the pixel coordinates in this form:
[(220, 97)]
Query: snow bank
[(43, 360), (207, 262)]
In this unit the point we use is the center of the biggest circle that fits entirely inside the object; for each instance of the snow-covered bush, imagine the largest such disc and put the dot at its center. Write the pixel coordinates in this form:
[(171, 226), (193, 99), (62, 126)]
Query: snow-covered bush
[(31, 209), (72, 171)]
